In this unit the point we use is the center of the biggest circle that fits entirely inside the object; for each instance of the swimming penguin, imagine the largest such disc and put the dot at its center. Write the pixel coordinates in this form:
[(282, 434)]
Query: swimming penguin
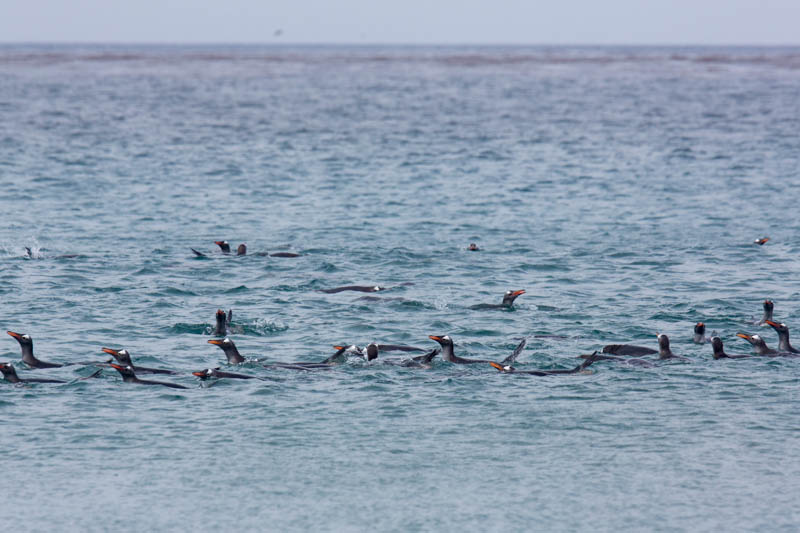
[(508, 301), (26, 344), (371, 351), (398, 348), (449, 355), (242, 250), (663, 349), (421, 361), (700, 334), (473, 247), (358, 350), (580, 368), (29, 254), (627, 349), (129, 376), (783, 337), (337, 358), (224, 247), (769, 306), (759, 345), (223, 322), (630, 361), (235, 358), (10, 375), (358, 288), (123, 357), (231, 352), (217, 373), (719, 350)]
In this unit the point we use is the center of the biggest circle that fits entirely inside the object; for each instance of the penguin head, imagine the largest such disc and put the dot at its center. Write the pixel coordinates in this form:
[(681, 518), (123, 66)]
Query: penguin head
[(126, 370), (663, 341), (22, 338), (122, 356), (225, 344), (510, 296), (371, 352), (716, 346), (443, 340), (779, 327), (503, 368)]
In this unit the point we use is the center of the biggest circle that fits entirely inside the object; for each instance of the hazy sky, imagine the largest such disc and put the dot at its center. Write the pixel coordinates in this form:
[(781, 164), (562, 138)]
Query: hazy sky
[(403, 21)]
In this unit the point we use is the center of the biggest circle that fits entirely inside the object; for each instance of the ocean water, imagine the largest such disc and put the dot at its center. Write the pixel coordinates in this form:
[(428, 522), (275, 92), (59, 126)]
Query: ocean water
[(622, 188)]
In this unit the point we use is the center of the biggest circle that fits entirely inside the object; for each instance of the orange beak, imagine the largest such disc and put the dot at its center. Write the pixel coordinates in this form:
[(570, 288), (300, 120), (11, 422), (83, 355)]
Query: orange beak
[(517, 293), (215, 341), (498, 367), (110, 351), (117, 366), (199, 374), (15, 335), (434, 337), (773, 324), (743, 335)]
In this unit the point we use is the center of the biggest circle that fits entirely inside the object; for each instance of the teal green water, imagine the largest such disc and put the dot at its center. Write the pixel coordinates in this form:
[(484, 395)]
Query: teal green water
[(622, 188)]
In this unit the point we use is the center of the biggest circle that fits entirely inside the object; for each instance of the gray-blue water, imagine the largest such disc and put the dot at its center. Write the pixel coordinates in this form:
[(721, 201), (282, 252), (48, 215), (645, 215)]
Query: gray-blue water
[(622, 188)]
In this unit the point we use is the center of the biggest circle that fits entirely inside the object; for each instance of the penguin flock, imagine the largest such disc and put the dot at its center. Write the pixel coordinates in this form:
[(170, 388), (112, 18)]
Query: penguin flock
[(625, 354)]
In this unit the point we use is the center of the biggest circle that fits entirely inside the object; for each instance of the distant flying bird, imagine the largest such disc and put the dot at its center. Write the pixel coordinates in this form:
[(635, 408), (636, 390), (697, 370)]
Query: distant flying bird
[(278, 32)]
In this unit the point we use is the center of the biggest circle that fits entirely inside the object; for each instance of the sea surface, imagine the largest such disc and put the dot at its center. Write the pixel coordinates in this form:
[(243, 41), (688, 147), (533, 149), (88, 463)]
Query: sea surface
[(622, 188)]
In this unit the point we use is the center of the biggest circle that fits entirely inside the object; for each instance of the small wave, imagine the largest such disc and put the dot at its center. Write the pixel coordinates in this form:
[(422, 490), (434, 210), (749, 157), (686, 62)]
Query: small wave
[(259, 328), (32, 251), (178, 292), (108, 289), (327, 267), (240, 288), (440, 304), (197, 329), (264, 327)]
